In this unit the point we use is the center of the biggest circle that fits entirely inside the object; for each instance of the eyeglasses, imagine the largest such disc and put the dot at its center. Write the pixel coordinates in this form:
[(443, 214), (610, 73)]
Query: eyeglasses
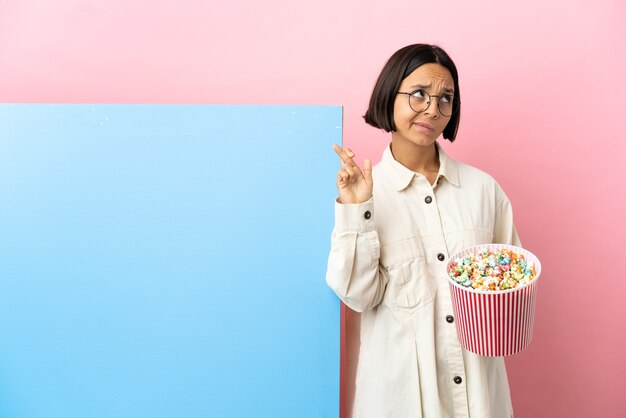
[(419, 101)]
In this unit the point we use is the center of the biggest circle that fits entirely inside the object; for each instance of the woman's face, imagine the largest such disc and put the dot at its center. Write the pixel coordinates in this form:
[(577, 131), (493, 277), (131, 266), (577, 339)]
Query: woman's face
[(425, 127)]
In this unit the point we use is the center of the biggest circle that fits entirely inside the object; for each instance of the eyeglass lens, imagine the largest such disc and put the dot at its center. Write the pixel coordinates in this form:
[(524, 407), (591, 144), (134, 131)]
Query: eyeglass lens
[(420, 100)]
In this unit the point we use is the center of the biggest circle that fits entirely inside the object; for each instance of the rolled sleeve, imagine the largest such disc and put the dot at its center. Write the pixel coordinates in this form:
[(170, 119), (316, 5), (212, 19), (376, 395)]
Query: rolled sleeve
[(353, 263), (357, 217)]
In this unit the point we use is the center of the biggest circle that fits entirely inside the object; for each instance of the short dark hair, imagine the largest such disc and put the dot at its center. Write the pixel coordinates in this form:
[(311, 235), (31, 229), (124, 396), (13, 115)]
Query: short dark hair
[(401, 64)]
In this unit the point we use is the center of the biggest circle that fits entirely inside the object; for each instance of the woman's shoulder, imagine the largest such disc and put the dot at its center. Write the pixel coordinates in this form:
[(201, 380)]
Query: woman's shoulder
[(470, 172), (474, 177), (462, 173)]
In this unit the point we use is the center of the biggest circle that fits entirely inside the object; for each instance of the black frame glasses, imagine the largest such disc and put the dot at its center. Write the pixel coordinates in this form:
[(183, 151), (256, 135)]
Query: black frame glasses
[(455, 102)]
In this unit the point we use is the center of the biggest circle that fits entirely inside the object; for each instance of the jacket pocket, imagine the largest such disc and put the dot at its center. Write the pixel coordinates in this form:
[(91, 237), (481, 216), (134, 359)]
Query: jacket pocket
[(409, 285)]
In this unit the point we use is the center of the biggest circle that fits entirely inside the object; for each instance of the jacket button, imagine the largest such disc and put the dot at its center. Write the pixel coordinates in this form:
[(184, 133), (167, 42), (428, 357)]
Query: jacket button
[(441, 257), (428, 199), (367, 214), (458, 380), (450, 319)]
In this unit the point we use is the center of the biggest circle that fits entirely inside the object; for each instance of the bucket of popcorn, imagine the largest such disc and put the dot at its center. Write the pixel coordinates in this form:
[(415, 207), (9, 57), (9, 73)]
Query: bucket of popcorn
[(494, 289)]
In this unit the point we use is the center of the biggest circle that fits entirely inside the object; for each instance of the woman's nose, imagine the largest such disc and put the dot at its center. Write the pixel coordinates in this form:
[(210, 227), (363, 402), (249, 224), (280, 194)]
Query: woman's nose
[(432, 109)]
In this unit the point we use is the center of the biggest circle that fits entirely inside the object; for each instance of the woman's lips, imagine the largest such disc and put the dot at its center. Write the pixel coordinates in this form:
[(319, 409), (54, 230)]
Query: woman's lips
[(424, 127)]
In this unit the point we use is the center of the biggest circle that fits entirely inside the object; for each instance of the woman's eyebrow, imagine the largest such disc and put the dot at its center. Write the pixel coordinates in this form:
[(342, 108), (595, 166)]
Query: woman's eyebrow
[(424, 86)]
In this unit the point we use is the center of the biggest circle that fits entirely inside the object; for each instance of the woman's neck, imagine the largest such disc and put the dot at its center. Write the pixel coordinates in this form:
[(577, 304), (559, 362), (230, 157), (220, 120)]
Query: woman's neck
[(418, 158)]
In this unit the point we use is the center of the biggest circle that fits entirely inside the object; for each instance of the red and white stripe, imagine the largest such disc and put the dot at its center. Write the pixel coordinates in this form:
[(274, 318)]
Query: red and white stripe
[(494, 324)]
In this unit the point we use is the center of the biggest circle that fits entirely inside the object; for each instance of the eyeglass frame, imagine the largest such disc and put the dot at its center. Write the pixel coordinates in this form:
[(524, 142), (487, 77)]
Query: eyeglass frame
[(458, 102)]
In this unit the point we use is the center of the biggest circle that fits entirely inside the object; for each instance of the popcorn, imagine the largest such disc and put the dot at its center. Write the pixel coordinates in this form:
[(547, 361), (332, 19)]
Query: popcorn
[(491, 270)]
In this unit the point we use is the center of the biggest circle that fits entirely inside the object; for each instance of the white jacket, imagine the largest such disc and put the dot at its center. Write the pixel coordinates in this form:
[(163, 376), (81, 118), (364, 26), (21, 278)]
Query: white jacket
[(388, 260)]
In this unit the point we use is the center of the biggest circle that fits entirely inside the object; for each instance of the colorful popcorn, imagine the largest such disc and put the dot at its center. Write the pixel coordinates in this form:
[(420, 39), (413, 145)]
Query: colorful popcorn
[(502, 269)]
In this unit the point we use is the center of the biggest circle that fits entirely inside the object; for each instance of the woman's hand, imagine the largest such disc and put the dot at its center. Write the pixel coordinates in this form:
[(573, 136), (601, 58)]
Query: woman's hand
[(354, 184)]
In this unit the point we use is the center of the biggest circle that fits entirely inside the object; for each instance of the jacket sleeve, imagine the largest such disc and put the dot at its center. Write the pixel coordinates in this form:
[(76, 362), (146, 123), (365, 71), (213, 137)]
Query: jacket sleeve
[(504, 231), (354, 273)]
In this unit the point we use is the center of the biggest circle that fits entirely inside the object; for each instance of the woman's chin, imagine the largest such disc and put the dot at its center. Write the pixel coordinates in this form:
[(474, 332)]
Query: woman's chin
[(418, 139)]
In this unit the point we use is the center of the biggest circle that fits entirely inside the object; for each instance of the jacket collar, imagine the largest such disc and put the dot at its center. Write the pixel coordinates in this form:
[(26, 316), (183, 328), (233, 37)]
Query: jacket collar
[(401, 176)]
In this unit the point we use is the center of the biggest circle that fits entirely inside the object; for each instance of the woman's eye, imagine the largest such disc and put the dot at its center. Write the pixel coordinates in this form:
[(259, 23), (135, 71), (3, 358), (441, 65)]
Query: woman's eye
[(447, 98), (418, 94)]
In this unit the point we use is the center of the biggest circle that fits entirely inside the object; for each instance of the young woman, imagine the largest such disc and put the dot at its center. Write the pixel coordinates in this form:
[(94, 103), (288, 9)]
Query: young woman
[(396, 225)]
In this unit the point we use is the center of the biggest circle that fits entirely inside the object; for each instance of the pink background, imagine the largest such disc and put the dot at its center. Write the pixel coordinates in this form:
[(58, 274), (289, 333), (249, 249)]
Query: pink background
[(543, 99)]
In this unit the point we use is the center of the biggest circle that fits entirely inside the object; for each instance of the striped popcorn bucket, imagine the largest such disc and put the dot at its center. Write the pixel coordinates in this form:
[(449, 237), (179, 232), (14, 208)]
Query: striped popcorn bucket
[(495, 323)]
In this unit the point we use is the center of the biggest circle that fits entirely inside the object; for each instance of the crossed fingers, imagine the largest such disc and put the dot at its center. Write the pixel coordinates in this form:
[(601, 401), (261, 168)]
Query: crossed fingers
[(349, 170)]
